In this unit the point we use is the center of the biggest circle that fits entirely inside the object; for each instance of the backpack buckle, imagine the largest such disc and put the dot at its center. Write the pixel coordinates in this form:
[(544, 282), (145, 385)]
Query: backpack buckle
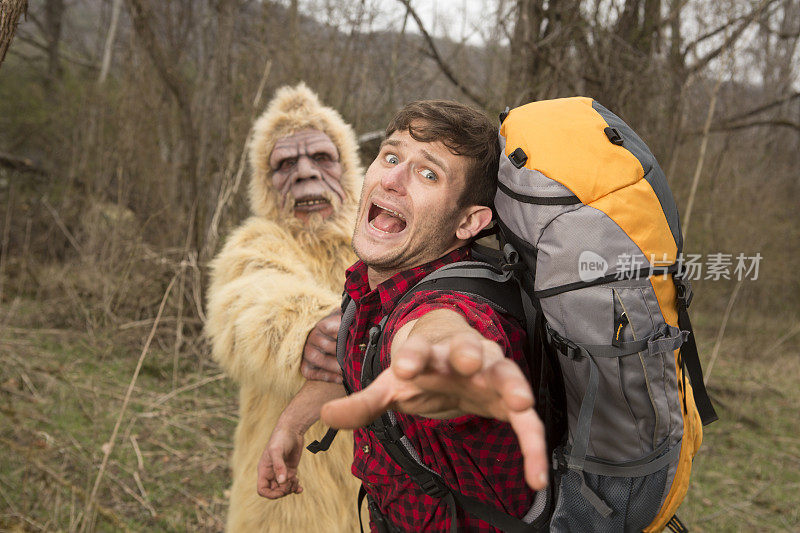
[(614, 136), (433, 488), (386, 433), (511, 260), (374, 333), (684, 291), (518, 158), (562, 344)]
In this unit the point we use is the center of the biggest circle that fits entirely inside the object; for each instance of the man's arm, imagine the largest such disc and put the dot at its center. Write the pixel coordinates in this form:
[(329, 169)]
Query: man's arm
[(442, 368), (277, 468)]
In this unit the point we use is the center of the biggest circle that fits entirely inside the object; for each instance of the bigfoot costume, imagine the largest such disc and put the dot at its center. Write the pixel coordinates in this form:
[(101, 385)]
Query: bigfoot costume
[(277, 276)]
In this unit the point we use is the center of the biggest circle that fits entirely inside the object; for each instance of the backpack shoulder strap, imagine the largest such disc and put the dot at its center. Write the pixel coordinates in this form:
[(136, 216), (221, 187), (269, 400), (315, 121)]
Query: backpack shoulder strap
[(492, 286), (348, 314), (485, 282)]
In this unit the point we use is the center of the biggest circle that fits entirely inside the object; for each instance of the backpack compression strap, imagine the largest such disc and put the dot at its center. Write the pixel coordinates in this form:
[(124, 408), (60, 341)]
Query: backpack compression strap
[(689, 355)]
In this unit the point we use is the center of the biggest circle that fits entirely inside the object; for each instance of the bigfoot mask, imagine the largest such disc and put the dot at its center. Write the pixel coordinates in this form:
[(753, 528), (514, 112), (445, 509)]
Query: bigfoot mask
[(306, 173)]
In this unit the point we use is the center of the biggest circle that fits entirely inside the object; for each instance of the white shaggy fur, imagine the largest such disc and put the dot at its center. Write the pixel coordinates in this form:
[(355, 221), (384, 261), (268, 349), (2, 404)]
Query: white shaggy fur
[(273, 280)]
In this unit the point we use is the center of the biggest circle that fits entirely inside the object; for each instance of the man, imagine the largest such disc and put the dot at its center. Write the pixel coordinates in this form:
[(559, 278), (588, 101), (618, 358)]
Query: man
[(446, 357), (278, 275)]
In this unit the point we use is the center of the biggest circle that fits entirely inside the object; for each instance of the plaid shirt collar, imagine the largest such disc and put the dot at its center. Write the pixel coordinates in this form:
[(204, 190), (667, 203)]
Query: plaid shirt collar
[(390, 291)]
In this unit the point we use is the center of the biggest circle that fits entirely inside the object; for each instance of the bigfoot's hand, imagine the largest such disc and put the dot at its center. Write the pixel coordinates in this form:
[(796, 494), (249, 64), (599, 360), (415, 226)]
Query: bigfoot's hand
[(277, 469), (319, 353)]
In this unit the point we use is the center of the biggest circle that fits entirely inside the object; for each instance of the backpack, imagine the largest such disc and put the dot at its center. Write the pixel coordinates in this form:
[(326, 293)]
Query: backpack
[(590, 241)]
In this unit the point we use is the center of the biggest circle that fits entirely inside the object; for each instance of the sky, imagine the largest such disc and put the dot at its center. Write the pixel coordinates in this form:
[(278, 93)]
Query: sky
[(471, 21), (457, 19)]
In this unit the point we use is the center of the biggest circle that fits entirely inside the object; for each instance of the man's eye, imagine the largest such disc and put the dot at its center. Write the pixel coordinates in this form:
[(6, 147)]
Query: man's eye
[(287, 163), (322, 157), (428, 175), (391, 159)]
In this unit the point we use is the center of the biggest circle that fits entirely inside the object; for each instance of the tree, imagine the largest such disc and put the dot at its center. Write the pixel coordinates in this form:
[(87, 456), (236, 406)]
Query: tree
[(10, 11)]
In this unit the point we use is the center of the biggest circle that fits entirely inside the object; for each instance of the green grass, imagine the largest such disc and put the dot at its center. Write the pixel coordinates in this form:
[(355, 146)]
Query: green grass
[(61, 391), (60, 395), (746, 476)]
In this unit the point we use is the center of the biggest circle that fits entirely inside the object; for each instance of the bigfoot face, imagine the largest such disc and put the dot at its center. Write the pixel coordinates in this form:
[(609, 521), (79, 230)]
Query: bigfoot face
[(306, 172)]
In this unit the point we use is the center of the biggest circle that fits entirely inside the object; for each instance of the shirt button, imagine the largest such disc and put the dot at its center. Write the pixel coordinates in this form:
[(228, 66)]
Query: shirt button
[(362, 347), (365, 448)]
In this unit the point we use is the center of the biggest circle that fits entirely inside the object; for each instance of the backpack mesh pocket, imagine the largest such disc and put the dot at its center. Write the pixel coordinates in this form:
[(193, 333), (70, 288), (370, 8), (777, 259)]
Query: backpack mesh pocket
[(634, 502)]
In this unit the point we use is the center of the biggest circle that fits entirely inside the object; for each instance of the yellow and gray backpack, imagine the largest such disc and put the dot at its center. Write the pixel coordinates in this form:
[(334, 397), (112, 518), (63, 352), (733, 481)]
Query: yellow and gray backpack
[(585, 207), (590, 242)]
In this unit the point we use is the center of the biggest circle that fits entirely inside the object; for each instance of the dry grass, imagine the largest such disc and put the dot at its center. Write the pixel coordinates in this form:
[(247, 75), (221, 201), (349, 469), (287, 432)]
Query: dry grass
[(60, 393), (747, 473)]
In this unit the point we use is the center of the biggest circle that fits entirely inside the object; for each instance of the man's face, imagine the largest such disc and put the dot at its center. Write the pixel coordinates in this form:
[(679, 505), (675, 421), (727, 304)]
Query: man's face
[(408, 212), (306, 173)]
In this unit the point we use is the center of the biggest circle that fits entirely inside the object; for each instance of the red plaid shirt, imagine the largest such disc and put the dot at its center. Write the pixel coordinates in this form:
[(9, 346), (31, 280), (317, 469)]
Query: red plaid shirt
[(480, 457)]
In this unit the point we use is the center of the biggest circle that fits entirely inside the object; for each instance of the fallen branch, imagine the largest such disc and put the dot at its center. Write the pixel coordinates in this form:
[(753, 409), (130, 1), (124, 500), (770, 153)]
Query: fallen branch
[(109, 446), (759, 109), (783, 339), (190, 386), (370, 136), (63, 227), (20, 164), (778, 123)]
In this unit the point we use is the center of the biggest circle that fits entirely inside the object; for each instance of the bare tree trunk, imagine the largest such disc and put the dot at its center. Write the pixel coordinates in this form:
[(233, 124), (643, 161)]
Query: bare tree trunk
[(10, 11), (525, 63), (112, 34), (174, 80), (213, 116), (294, 40), (676, 72), (54, 15), (540, 48)]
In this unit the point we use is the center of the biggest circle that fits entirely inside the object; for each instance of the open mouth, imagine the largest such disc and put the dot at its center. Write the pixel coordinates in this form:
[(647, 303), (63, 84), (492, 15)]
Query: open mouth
[(311, 203), (386, 220)]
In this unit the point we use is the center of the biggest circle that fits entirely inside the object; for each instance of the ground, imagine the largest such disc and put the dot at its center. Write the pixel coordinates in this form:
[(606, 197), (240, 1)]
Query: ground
[(61, 392)]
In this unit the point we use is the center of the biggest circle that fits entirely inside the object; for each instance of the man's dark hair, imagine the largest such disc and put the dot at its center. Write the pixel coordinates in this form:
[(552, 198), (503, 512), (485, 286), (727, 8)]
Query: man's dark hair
[(464, 131)]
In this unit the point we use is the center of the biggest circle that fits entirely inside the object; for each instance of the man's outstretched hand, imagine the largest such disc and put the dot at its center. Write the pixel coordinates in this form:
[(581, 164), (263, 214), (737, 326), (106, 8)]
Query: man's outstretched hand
[(464, 374)]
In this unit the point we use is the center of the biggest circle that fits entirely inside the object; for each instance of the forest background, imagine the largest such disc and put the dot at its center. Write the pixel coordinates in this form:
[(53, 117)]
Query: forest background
[(123, 126)]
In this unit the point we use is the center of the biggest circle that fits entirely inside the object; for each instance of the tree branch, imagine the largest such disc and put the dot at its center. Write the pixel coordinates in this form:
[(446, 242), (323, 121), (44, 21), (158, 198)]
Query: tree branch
[(759, 109), (143, 24), (732, 38), (724, 126), (31, 40), (779, 123), (438, 58)]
